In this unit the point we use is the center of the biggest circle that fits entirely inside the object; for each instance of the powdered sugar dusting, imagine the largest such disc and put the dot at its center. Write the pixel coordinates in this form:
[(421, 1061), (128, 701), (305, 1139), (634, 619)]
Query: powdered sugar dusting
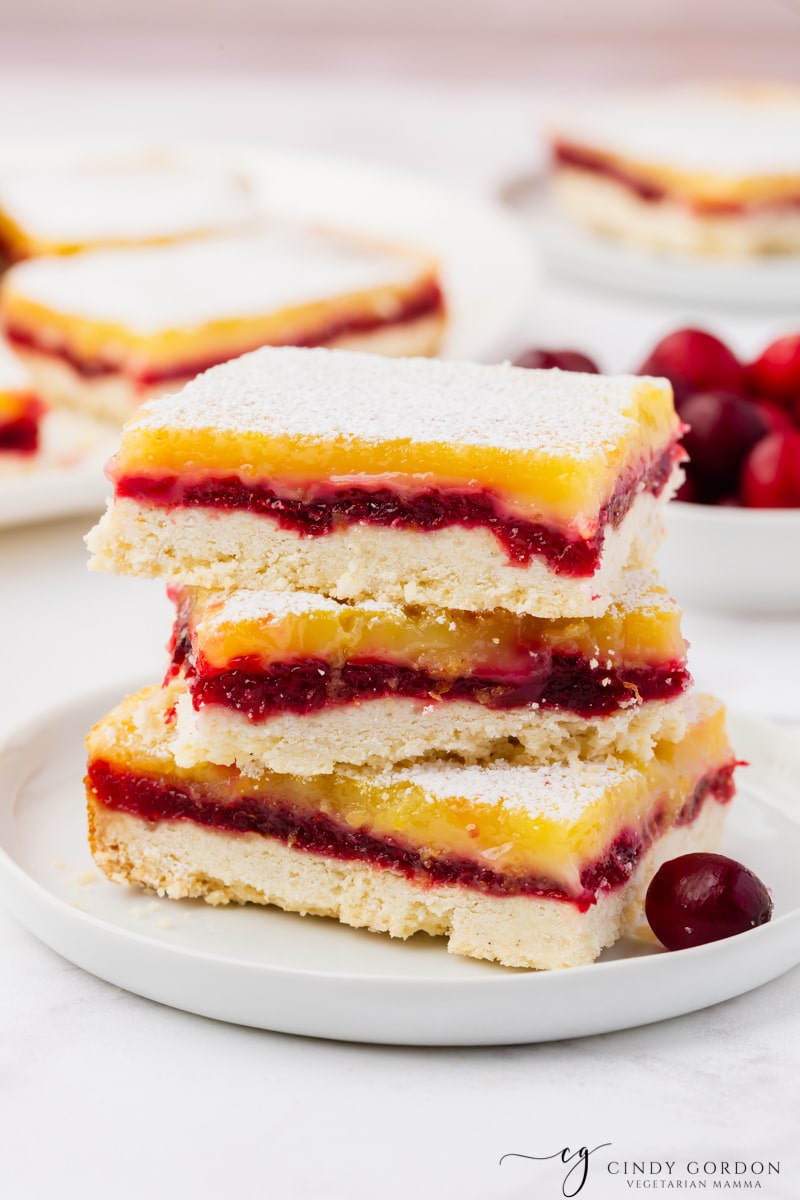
[(734, 131), (87, 203), (336, 395), (642, 592), (185, 285), (560, 792)]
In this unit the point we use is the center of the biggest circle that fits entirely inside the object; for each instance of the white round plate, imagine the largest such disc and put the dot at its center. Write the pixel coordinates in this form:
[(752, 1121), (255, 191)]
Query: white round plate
[(570, 250), (484, 256), (308, 975), (703, 556)]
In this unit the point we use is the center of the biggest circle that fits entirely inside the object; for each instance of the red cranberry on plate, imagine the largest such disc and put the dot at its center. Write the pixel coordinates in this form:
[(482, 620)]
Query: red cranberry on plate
[(723, 428), (701, 898), (564, 360), (771, 472), (694, 360), (776, 372)]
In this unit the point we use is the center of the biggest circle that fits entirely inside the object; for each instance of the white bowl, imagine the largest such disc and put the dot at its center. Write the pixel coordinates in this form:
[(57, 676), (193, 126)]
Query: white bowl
[(733, 559)]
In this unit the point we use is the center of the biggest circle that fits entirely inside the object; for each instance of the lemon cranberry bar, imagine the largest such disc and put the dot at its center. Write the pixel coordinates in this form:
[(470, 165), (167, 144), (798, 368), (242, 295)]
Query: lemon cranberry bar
[(408, 481), (707, 169), (533, 866), (105, 330), (82, 203), (20, 410), (298, 683)]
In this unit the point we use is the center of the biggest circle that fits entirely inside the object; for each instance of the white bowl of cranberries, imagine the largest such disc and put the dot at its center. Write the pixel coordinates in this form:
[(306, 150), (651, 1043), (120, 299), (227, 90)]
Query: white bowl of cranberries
[(734, 530)]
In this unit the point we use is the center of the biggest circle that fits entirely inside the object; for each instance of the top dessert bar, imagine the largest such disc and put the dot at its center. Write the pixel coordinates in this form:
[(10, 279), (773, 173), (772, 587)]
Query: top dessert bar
[(412, 481), (82, 205), (704, 167)]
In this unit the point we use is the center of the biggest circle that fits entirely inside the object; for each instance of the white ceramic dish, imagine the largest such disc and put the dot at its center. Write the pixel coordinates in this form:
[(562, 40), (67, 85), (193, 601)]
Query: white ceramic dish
[(733, 559), (482, 252), (574, 252), (279, 971)]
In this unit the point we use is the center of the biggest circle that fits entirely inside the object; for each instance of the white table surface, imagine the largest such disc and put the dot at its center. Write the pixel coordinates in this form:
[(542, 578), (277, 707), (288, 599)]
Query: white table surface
[(105, 1094)]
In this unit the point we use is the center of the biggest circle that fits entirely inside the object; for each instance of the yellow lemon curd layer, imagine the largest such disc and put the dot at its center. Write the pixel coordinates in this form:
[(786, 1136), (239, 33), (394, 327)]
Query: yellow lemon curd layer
[(14, 405), (550, 445), (640, 629), (519, 820)]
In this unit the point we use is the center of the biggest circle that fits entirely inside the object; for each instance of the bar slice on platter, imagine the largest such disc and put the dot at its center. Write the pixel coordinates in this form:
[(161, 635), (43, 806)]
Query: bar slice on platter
[(297, 682), (403, 481), (77, 203), (706, 169), (104, 331), (20, 409), (532, 866)]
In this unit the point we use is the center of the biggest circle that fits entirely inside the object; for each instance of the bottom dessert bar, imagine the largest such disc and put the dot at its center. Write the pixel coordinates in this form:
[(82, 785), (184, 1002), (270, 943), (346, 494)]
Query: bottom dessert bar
[(531, 866)]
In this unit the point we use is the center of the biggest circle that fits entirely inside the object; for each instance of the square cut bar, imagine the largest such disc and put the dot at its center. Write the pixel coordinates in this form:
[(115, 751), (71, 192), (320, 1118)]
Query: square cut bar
[(711, 169), (409, 481), (106, 330), (78, 204), (530, 866), (296, 682)]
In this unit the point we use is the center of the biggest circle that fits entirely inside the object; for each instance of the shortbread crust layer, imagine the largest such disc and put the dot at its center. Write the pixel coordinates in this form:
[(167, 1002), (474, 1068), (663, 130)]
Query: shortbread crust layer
[(450, 568), (384, 731), (608, 206), (178, 860), (565, 836)]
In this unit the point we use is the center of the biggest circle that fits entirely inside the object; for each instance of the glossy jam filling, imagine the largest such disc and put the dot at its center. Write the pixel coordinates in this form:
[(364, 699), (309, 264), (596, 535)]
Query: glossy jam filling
[(650, 192), (154, 799), (554, 681), (427, 511), (21, 435), (423, 304)]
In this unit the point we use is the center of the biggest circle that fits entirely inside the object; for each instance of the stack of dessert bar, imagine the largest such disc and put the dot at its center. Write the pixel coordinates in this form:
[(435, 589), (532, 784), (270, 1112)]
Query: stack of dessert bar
[(423, 675)]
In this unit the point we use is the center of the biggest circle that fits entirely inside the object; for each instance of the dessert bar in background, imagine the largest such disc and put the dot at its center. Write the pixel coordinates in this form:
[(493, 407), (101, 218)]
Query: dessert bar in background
[(104, 330), (704, 169), (293, 681), (528, 865), (408, 481), (20, 408), (64, 206)]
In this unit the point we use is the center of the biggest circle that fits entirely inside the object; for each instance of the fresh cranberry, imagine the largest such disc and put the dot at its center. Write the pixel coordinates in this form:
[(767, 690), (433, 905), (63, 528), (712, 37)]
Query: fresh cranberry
[(723, 428), (700, 898), (776, 418), (776, 373), (771, 472), (563, 360), (695, 360)]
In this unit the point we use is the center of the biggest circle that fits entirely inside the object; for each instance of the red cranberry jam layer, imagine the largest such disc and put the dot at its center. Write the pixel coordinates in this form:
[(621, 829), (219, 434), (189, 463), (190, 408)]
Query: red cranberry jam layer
[(158, 314), (568, 833), (718, 150), (261, 654), (381, 458)]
